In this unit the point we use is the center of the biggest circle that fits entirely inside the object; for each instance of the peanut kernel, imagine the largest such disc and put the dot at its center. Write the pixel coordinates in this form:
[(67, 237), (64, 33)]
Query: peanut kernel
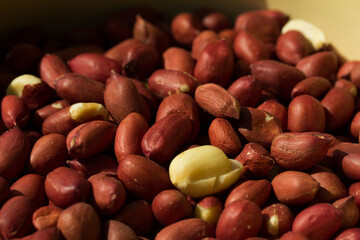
[(17, 84), (203, 171), (80, 112)]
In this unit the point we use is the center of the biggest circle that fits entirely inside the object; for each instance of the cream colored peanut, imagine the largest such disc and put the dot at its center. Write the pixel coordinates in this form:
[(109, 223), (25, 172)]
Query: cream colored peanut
[(204, 170)]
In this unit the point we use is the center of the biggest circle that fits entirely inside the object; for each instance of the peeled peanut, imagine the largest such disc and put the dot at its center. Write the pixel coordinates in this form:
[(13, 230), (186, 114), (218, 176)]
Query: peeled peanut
[(15, 217), (170, 206), (277, 219), (306, 114), (31, 89), (203, 170), (92, 165), (112, 230), (321, 64), (45, 217), (142, 176), (215, 64), (240, 220), (299, 151), (185, 27), (292, 46), (276, 77), (217, 101), (65, 187), (180, 59), (120, 89), (166, 82), (32, 187), (79, 221), (48, 153), (249, 48), (257, 191), (78, 88), (349, 211), (51, 68), (83, 141), (258, 126), (313, 86), (66, 119), (209, 209), (162, 140), (246, 90), (339, 107), (319, 221), (93, 66), (192, 229), (201, 41), (14, 151), (256, 159), (137, 214), (294, 187), (14, 112)]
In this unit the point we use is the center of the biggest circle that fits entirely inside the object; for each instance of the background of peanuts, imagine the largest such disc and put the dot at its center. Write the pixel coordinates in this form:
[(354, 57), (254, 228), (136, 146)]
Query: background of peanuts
[(340, 20)]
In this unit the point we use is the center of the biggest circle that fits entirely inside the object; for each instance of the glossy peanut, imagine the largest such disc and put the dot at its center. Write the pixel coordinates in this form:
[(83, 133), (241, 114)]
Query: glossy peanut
[(51, 68), (4, 191), (121, 89), (64, 187), (249, 48), (191, 229), (15, 217), (180, 59), (258, 126), (294, 187), (277, 219), (39, 116), (185, 27), (166, 82), (83, 141), (338, 112), (112, 230), (223, 135), (306, 114), (68, 86), (292, 46), (215, 64), (14, 112), (277, 109), (209, 209), (79, 221), (313, 86), (236, 218), (14, 152), (159, 144), (137, 215), (256, 159), (325, 221), (93, 66), (32, 187), (349, 211), (217, 101), (246, 90), (201, 41), (142, 176), (48, 153), (170, 206), (276, 77)]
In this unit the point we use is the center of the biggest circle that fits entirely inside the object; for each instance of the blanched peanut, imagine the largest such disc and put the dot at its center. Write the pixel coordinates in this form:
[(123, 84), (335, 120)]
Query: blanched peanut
[(204, 170)]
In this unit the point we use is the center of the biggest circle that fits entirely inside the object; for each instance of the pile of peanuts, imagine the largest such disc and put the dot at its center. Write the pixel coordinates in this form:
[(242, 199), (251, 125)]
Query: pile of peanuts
[(187, 129)]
